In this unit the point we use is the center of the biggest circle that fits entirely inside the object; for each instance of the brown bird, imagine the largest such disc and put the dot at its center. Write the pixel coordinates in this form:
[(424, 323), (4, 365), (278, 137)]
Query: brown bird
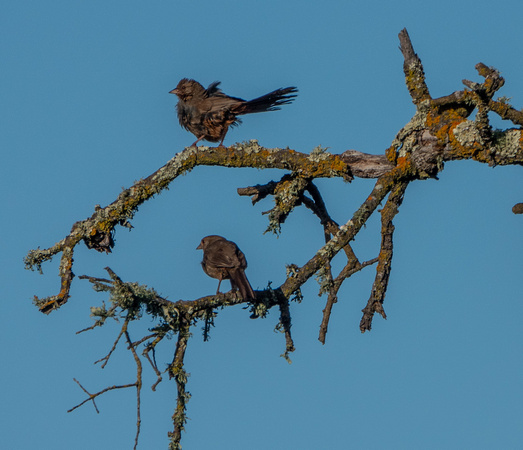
[(222, 259), (208, 113)]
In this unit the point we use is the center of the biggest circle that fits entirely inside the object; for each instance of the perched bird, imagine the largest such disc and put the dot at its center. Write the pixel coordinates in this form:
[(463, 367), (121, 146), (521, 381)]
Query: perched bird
[(208, 113), (222, 259)]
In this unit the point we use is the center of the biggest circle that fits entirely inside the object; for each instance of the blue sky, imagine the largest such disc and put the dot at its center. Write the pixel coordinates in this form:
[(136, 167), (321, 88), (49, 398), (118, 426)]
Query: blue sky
[(86, 111)]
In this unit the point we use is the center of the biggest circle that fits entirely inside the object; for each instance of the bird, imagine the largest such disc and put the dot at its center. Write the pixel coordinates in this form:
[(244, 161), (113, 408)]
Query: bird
[(223, 260), (208, 113)]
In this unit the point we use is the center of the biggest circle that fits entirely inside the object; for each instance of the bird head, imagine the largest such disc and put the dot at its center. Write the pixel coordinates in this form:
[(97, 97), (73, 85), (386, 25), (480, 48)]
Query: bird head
[(187, 89), (208, 240)]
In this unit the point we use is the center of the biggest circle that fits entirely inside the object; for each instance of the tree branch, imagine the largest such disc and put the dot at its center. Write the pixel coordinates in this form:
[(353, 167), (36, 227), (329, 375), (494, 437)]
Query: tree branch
[(440, 131), (95, 229), (379, 288), (177, 372), (413, 69)]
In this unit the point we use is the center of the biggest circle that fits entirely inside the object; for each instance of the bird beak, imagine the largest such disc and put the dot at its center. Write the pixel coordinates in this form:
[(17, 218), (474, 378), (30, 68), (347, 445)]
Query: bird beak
[(174, 91), (200, 247)]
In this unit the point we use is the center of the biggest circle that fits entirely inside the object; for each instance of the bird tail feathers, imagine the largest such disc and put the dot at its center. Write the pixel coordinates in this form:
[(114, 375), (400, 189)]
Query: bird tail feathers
[(239, 280), (268, 102)]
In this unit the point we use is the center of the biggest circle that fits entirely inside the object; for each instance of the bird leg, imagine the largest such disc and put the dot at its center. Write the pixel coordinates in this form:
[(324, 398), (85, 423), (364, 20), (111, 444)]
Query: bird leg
[(223, 136), (219, 282), (196, 141)]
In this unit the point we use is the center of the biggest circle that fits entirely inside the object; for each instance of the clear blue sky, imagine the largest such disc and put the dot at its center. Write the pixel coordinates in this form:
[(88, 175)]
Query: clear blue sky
[(85, 111)]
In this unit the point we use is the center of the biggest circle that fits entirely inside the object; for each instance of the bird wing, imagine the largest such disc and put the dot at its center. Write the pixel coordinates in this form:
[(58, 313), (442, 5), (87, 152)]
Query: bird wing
[(215, 100), (213, 89), (219, 254), (219, 102)]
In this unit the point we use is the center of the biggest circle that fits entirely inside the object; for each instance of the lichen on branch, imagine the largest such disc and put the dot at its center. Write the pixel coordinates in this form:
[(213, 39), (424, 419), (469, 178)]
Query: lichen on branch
[(440, 131)]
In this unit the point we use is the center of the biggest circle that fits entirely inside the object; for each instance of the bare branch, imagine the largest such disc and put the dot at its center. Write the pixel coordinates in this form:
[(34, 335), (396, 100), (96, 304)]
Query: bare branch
[(381, 281), (348, 271), (105, 359), (346, 233), (413, 69), (103, 391), (152, 362), (259, 192), (138, 386), (506, 112)]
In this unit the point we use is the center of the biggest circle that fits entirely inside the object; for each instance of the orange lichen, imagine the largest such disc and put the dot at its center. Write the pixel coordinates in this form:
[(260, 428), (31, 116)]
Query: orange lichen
[(442, 124), (404, 163), (391, 154)]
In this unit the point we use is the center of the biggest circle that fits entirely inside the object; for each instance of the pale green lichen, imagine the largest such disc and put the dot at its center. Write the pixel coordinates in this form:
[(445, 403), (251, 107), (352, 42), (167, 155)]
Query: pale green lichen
[(290, 193), (328, 248), (468, 134), (406, 139), (324, 279), (251, 146), (259, 310), (319, 154), (287, 195), (293, 271), (274, 226), (34, 259), (409, 143), (65, 263), (503, 99), (286, 356), (101, 312), (174, 167), (507, 144)]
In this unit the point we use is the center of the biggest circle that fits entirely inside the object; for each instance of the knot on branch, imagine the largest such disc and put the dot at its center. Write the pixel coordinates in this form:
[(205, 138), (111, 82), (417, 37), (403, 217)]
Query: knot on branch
[(365, 165), (101, 241), (427, 155)]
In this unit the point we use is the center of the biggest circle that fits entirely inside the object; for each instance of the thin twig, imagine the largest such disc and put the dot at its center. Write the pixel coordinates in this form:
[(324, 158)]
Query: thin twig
[(346, 272), (151, 347), (138, 386), (106, 358), (103, 391)]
